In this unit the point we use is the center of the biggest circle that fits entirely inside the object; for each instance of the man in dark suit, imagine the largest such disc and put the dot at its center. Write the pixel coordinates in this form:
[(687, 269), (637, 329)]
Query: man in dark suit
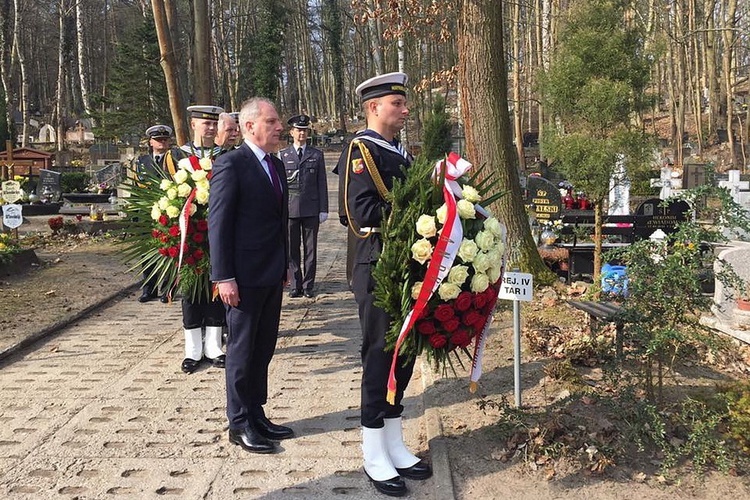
[(308, 205), (152, 164), (247, 231)]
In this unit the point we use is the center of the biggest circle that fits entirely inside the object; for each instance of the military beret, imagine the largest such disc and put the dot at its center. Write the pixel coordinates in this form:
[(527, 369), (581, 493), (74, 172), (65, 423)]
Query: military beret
[(158, 131), (205, 112), (378, 86), (299, 121)]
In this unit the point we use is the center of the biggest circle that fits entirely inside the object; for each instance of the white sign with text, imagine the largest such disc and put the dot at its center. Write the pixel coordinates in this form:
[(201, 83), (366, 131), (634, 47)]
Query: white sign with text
[(517, 286), (12, 216)]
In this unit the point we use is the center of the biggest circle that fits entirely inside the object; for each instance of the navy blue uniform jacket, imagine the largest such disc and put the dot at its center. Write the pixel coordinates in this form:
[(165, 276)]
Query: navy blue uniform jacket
[(247, 226)]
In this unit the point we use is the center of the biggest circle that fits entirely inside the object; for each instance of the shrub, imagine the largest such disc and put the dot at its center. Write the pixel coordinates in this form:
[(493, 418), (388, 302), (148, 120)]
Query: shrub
[(74, 182)]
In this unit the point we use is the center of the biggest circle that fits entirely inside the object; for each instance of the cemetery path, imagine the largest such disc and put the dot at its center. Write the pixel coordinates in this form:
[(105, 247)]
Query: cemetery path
[(100, 408)]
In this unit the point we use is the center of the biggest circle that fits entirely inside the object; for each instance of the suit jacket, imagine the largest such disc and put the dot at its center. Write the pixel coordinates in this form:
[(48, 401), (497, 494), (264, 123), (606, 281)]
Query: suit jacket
[(306, 177), (147, 165), (247, 226)]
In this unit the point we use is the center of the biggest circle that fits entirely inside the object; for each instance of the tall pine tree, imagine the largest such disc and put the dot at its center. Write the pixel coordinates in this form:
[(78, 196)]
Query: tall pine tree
[(262, 57), (137, 93)]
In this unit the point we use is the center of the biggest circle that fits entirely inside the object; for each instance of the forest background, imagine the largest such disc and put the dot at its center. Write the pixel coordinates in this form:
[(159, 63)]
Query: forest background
[(66, 59)]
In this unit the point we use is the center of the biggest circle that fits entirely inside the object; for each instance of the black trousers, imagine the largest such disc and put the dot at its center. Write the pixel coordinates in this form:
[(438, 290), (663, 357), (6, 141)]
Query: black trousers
[(304, 231), (253, 330), (376, 362), (202, 313)]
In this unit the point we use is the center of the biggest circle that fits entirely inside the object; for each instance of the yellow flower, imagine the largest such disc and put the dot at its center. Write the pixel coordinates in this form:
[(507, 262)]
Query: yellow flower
[(180, 176), (481, 262), (458, 274), (3, 246), (421, 251), (165, 184), (426, 226), (205, 163), (493, 273), (448, 291), (199, 175), (494, 226), (201, 196), (172, 211), (172, 193), (466, 209), (468, 250), (163, 203), (485, 240), (155, 212), (442, 213), (470, 194), (479, 282), (416, 288), (203, 184), (183, 190)]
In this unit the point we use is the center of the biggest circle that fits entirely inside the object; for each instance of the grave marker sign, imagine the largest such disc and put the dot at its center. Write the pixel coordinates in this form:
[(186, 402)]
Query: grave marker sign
[(543, 198)]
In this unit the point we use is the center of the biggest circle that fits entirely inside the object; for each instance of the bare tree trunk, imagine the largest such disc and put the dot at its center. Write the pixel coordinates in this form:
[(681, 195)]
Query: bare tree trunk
[(24, 78), (82, 67), (169, 66), (60, 94), (6, 56), (727, 56), (712, 76), (202, 53), (481, 68), (517, 106)]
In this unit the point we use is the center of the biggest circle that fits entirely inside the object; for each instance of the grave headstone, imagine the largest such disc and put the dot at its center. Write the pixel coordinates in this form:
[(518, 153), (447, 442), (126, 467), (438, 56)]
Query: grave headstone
[(738, 189), (693, 175), (109, 175), (619, 191), (48, 188), (543, 198), (651, 216)]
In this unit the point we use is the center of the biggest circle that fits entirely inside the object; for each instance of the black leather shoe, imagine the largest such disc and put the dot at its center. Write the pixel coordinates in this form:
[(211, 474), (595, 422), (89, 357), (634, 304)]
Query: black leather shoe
[(269, 430), (419, 471), (394, 487), (308, 294), (164, 299), (146, 296), (295, 293), (251, 441), (189, 365), (220, 362)]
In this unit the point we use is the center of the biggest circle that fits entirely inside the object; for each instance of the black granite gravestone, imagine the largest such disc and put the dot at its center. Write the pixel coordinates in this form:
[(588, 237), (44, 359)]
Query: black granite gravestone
[(543, 198)]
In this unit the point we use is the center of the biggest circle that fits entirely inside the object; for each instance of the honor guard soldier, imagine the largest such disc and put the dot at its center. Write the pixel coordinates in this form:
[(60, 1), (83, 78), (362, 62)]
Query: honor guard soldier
[(367, 169), (202, 321), (152, 165), (308, 205)]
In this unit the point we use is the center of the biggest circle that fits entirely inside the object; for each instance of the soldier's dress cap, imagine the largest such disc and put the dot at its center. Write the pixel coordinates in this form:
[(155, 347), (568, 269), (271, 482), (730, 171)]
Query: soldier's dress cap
[(235, 115), (299, 121), (378, 86), (159, 131), (205, 112)]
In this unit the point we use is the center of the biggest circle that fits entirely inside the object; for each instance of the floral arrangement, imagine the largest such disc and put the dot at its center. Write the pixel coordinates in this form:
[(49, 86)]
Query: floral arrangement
[(8, 247), (443, 258), (173, 239)]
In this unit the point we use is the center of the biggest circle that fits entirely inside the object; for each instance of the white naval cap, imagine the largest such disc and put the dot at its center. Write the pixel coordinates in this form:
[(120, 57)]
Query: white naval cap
[(378, 86), (158, 131), (205, 112)]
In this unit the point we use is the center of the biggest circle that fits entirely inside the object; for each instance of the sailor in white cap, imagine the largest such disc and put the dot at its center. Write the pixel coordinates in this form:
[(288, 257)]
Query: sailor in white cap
[(202, 321), (308, 205), (152, 165), (367, 169)]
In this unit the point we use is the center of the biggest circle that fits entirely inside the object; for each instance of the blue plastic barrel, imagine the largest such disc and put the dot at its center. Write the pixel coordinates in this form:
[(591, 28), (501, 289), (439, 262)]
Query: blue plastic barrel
[(615, 280)]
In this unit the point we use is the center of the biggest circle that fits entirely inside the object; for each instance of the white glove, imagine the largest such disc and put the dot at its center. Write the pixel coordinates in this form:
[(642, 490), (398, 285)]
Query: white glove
[(322, 217)]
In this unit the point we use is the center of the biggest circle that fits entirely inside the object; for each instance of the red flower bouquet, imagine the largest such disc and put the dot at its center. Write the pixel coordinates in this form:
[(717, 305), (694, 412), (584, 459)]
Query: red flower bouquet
[(442, 262), (175, 247)]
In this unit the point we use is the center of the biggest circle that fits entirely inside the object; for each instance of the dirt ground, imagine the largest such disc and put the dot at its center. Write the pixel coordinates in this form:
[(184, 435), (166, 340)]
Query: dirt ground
[(77, 271)]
